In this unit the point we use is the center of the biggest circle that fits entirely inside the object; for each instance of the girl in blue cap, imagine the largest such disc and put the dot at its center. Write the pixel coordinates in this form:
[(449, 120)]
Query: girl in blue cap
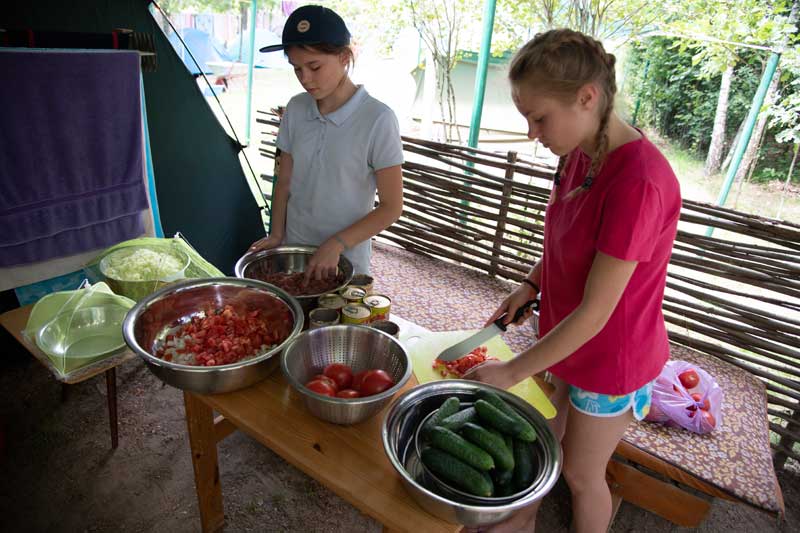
[(338, 146)]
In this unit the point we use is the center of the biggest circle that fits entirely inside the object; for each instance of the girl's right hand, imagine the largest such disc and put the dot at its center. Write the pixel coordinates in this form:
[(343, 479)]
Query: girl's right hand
[(514, 301), (270, 241)]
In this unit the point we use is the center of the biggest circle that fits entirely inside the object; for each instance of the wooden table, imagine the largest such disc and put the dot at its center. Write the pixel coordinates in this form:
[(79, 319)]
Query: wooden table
[(349, 460), (14, 322)]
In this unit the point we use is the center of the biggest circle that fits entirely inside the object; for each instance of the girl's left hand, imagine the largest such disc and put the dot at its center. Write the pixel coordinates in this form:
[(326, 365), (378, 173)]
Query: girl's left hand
[(325, 261), (497, 373)]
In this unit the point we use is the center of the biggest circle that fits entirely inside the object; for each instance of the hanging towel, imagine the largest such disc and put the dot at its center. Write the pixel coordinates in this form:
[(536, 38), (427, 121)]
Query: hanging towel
[(71, 152)]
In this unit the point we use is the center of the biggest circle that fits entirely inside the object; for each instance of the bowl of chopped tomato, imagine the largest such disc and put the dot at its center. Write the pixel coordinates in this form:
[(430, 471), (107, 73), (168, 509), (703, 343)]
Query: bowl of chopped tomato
[(213, 335), (285, 267)]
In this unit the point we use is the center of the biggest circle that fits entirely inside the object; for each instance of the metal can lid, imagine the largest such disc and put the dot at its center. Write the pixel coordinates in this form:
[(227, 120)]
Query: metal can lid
[(331, 300), (356, 311), (377, 300), (351, 292)]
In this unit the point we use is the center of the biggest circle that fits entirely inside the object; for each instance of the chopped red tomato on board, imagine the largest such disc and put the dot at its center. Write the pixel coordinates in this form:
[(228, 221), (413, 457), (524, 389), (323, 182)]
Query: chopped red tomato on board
[(461, 366)]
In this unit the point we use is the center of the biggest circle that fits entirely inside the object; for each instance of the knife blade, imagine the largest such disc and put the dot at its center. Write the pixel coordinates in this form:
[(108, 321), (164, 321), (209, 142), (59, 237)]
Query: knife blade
[(464, 347)]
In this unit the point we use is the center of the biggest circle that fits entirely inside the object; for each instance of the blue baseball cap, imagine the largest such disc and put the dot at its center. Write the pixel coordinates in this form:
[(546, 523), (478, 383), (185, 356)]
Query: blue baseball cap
[(309, 25)]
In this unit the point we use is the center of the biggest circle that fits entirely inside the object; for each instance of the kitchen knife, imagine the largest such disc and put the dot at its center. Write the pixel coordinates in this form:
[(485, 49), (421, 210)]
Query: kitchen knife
[(464, 347)]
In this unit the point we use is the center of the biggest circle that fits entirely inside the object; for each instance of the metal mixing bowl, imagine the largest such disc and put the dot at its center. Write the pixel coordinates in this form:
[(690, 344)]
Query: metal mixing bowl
[(148, 323), (398, 433), (360, 348), (288, 259), (138, 289)]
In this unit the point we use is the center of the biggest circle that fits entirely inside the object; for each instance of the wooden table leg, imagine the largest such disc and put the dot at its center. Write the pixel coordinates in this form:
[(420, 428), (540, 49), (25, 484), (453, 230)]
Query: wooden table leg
[(200, 422), (111, 393)]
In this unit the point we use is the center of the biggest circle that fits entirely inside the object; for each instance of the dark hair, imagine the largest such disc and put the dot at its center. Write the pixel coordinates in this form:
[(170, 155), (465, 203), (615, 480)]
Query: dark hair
[(330, 49), (559, 62)]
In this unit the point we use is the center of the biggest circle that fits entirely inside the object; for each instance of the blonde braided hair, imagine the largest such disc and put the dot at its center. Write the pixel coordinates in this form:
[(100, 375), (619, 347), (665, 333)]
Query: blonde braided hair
[(560, 62)]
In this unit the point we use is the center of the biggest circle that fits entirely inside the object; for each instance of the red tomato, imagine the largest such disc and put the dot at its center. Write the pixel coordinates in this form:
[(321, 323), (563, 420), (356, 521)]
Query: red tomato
[(348, 393), (709, 418), (376, 381), (697, 397), (321, 387), (326, 379), (359, 378), (339, 373), (689, 379)]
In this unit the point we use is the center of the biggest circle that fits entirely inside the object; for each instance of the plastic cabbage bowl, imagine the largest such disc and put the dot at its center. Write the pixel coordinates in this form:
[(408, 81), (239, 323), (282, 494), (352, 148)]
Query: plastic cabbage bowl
[(137, 271)]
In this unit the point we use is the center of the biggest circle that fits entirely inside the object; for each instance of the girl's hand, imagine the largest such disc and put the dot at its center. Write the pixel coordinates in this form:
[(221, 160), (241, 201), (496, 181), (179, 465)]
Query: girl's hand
[(325, 261), (270, 241), (514, 301), (497, 373)]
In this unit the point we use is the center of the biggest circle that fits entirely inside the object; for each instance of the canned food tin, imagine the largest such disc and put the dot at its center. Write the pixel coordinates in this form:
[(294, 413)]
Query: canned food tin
[(322, 316), (355, 314), (363, 281), (353, 295), (379, 306), (387, 326), (332, 301)]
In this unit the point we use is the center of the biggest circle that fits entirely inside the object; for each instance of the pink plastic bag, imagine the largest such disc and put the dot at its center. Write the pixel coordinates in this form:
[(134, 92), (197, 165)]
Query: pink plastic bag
[(674, 405)]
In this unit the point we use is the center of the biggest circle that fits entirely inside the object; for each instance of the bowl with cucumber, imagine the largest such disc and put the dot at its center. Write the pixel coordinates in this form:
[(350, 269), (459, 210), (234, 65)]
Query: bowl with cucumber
[(470, 453)]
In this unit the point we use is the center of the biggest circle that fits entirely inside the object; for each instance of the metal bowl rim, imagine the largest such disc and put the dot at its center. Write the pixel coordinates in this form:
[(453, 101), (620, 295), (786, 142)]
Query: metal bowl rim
[(130, 339), (362, 400), (420, 391), (251, 257)]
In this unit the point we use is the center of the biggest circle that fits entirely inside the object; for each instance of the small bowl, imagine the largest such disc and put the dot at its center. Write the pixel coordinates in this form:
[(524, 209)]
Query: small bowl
[(152, 319), (138, 289), (452, 492), (398, 433), (360, 348), (84, 335), (288, 259)]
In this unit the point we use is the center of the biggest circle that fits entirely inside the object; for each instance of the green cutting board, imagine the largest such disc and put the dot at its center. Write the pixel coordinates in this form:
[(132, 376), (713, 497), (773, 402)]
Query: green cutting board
[(424, 347)]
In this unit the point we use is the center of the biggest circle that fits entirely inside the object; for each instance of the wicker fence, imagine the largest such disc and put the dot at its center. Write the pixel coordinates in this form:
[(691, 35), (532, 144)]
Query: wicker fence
[(735, 295)]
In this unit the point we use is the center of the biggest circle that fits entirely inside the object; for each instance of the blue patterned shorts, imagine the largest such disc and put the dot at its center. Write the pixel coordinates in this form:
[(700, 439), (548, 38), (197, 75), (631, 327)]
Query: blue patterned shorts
[(595, 404)]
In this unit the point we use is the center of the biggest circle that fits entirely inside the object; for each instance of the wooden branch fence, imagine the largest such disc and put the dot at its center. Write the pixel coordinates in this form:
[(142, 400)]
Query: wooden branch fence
[(735, 295)]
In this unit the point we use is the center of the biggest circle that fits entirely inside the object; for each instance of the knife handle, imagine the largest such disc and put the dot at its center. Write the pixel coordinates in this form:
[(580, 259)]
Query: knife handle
[(520, 311)]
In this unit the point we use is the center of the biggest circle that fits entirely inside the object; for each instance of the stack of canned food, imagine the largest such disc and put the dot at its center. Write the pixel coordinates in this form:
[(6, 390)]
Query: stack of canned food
[(355, 304)]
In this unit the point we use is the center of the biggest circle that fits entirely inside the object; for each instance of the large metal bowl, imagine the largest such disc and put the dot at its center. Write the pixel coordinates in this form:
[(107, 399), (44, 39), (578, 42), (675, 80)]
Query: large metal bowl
[(398, 434), (138, 289), (150, 321), (360, 348), (288, 259)]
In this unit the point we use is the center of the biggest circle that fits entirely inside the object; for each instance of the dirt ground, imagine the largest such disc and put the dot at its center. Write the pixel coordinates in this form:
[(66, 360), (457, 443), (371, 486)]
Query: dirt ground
[(59, 473)]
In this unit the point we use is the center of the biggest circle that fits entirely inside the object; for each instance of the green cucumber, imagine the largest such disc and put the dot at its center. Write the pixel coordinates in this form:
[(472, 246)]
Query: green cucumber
[(455, 445), (502, 477), (528, 433), (491, 443), (455, 421), (523, 465), (494, 417), (449, 406), (460, 474)]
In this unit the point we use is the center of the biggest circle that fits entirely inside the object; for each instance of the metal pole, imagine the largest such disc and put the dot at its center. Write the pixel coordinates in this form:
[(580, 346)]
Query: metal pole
[(747, 131), (480, 74), (250, 62)]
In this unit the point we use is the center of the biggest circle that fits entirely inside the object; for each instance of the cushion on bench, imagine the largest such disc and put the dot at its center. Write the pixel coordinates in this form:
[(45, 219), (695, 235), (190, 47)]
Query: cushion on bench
[(735, 458)]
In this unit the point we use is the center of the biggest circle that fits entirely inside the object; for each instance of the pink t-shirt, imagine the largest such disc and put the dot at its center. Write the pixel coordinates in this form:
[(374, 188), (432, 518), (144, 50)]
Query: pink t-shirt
[(630, 212)]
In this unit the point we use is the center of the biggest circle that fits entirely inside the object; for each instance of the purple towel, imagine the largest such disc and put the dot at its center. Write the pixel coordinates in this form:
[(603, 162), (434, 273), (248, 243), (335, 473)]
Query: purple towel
[(71, 152)]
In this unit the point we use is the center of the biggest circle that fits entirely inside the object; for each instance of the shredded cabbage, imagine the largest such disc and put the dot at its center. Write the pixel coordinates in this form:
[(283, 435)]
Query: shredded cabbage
[(142, 265)]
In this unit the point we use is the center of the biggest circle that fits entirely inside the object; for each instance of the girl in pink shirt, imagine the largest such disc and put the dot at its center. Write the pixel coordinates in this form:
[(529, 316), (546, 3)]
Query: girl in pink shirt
[(609, 229)]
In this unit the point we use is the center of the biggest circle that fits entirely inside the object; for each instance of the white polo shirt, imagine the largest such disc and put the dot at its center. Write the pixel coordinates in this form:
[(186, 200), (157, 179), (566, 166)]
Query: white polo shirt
[(335, 157)]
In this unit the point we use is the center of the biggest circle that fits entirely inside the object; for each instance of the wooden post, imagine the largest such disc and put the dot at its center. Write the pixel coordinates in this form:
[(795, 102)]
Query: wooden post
[(501, 221), (202, 438), (111, 396)]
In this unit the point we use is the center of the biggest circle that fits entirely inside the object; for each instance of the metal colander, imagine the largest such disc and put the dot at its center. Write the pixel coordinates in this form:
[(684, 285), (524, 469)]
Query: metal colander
[(360, 348)]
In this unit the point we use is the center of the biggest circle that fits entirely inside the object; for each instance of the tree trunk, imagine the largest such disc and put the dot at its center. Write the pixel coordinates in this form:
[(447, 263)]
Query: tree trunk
[(758, 133), (772, 95), (714, 157)]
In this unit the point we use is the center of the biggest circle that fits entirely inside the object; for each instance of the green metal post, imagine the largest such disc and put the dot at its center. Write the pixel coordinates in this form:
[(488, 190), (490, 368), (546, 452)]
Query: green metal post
[(480, 74), (747, 131), (639, 96), (251, 43)]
